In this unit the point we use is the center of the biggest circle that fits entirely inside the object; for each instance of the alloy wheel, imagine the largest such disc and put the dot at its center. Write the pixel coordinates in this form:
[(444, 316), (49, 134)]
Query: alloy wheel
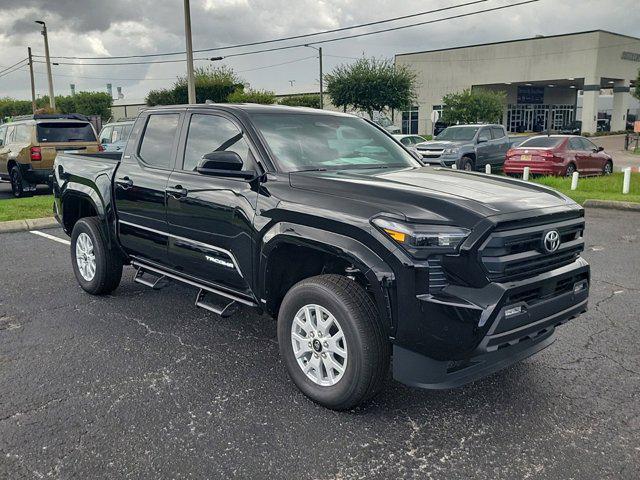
[(85, 257), (319, 345)]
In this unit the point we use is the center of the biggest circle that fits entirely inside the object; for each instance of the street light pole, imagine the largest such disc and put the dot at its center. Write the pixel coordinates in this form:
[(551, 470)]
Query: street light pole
[(52, 98), (319, 49), (191, 83), (33, 83)]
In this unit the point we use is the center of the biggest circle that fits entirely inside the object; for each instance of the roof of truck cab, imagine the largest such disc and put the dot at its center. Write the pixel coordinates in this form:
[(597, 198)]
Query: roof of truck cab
[(252, 108)]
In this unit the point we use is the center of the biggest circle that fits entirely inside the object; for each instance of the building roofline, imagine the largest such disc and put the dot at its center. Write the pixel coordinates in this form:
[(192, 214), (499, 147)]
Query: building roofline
[(543, 37)]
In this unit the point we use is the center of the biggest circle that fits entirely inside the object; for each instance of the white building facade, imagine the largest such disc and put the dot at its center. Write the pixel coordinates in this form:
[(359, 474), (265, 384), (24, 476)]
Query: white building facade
[(541, 77)]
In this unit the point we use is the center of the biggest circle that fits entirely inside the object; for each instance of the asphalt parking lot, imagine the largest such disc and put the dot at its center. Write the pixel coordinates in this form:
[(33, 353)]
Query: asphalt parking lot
[(142, 384), (5, 190)]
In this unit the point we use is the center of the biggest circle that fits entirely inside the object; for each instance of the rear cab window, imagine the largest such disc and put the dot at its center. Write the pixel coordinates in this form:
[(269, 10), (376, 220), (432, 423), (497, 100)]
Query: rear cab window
[(497, 132), (65, 132), (541, 142)]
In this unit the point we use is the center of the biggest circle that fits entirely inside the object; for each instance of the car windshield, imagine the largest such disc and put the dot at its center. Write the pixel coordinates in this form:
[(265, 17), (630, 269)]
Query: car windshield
[(541, 142), (66, 132), (457, 133), (317, 141)]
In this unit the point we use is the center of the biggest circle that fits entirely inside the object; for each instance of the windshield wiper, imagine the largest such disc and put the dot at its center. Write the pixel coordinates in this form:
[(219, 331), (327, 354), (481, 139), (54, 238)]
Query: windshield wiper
[(314, 169)]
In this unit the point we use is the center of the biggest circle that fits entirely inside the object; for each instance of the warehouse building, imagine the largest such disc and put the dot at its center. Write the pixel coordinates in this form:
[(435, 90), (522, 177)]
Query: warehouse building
[(542, 78)]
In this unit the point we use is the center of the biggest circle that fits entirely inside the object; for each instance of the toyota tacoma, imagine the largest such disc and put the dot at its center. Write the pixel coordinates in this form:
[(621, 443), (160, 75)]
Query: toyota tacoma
[(324, 221)]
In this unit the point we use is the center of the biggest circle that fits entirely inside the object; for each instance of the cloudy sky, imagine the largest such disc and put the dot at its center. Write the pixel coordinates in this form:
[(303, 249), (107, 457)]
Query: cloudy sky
[(101, 28)]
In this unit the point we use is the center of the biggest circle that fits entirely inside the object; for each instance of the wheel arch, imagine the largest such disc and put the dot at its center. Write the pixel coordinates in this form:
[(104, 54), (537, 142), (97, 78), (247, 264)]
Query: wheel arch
[(323, 252)]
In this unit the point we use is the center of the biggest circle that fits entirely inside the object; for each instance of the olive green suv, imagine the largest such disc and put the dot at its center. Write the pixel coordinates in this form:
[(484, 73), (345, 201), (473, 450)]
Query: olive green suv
[(29, 145)]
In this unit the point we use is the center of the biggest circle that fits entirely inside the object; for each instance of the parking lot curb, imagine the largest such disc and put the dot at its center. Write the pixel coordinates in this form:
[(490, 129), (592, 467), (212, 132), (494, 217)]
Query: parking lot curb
[(613, 205), (28, 224)]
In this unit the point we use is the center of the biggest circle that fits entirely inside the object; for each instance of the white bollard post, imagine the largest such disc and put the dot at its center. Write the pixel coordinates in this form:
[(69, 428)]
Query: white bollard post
[(626, 184), (525, 174), (574, 180), (454, 166), (487, 169)]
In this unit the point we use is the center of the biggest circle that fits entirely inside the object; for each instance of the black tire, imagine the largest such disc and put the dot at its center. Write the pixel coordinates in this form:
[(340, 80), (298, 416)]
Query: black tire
[(108, 262), (570, 169), (607, 169), (17, 182), (366, 340), (467, 164)]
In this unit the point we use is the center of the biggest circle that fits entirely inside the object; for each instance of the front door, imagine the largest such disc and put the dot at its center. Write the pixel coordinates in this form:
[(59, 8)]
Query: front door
[(140, 183), (484, 147), (210, 217)]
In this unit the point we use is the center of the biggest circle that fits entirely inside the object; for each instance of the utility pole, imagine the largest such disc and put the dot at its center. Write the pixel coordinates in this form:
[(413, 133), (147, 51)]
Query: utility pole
[(33, 83), (191, 83), (52, 98), (319, 49)]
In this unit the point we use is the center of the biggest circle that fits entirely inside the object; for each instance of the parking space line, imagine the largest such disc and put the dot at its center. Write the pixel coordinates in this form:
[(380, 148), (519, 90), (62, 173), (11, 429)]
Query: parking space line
[(50, 237)]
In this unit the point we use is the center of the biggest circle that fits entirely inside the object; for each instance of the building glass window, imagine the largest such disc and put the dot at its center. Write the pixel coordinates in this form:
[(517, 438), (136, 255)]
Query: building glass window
[(410, 121)]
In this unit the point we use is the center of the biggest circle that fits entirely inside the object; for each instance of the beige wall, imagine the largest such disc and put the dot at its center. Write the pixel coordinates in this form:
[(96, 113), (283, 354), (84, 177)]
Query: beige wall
[(579, 56)]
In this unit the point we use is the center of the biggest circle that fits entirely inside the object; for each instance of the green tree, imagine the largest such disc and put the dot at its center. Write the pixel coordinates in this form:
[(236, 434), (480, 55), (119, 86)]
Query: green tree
[(473, 106), (311, 100), (215, 84), (371, 84), (252, 96)]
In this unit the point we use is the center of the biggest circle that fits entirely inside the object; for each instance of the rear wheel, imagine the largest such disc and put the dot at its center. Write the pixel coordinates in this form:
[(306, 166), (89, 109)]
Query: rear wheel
[(608, 168), (97, 268), (332, 341), (570, 169), (17, 183), (467, 164)]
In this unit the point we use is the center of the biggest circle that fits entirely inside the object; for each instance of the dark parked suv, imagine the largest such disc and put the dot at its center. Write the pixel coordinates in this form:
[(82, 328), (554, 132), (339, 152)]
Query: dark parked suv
[(324, 221)]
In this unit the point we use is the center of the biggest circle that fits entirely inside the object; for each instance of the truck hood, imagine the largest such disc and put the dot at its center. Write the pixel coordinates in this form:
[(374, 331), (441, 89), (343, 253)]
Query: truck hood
[(440, 145), (429, 193)]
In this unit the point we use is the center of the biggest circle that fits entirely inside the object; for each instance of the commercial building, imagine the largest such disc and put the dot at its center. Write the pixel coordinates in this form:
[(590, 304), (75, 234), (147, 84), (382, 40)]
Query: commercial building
[(541, 77)]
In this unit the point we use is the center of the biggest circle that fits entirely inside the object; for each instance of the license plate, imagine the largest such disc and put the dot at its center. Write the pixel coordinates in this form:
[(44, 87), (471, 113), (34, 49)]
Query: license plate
[(525, 158)]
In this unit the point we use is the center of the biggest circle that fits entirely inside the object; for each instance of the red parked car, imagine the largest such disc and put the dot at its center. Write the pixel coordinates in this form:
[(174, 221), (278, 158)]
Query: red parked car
[(558, 155)]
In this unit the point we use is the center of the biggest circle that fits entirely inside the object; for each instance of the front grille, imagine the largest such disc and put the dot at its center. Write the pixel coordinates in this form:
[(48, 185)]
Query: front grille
[(427, 153), (515, 250)]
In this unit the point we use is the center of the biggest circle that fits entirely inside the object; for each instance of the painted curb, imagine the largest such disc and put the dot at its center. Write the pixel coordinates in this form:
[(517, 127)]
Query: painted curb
[(29, 224), (612, 205)]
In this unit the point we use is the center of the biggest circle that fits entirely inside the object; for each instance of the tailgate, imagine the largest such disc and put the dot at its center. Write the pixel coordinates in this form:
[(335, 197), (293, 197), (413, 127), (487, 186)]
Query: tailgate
[(50, 150)]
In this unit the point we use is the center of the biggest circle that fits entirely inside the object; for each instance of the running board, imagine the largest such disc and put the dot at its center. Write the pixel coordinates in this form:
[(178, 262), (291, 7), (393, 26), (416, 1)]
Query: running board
[(161, 281), (233, 301), (224, 311)]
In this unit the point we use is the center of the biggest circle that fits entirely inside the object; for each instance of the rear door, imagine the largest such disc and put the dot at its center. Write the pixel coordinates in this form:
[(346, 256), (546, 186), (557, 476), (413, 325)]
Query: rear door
[(210, 217), (500, 144), (3, 150), (485, 147), (140, 182)]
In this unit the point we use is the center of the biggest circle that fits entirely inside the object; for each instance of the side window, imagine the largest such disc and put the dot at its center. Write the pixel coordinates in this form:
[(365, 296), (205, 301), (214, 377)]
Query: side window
[(23, 133), (10, 133), (105, 135), (212, 133), (575, 144), (484, 135), (497, 132), (157, 141), (3, 132), (587, 144), (116, 136)]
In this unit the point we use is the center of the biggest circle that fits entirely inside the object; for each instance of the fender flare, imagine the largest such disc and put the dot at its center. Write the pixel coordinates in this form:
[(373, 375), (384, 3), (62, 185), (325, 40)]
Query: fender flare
[(377, 272)]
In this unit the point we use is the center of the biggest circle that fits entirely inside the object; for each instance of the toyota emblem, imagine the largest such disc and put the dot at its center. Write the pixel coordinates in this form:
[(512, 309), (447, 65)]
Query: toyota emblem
[(551, 241)]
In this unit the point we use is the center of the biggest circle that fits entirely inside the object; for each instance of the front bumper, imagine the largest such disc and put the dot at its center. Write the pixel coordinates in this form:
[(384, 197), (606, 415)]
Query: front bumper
[(488, 328)]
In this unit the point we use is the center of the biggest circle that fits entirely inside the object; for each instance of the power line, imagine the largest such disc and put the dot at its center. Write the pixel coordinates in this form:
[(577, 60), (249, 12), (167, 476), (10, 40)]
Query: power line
[(319, 42), (294, 37), (11, 66), (7, 72), (276, 64)]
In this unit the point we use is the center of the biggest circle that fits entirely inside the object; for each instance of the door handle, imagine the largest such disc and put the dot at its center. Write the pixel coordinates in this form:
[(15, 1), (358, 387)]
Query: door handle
[(125, 182), (177, 192)]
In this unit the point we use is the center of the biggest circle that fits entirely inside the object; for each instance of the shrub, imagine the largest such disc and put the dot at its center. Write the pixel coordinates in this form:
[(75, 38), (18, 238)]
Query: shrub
[(252, 96), (310, 100)]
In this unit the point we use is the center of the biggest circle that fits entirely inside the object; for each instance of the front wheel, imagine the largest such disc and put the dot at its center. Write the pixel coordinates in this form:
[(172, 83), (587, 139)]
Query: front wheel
[(98, 268), (332, 341), (608, 168), (467, 164)]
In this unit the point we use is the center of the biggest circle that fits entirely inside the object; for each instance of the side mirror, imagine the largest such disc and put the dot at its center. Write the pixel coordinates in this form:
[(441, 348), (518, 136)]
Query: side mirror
[(482, 140), (224, 164), (600, 149)]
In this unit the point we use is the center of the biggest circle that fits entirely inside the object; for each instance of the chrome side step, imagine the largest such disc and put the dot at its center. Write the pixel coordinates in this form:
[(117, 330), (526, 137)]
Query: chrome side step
[(162, 278)]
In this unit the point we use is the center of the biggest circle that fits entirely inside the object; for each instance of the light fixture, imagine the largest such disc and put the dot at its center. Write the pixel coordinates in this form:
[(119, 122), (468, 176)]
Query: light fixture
[(572, 86), (551, 85), (528, 84)]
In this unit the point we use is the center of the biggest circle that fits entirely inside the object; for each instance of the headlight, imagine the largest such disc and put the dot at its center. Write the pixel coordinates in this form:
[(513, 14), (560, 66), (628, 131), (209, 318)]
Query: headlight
[(451, 151), (418, 238)]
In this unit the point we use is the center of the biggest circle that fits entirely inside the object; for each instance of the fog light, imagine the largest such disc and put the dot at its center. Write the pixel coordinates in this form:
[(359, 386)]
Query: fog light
[(580, 286), (509, 312)]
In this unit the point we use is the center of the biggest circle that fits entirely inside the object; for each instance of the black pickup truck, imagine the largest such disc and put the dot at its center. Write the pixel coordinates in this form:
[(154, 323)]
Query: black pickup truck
[(323, 220)]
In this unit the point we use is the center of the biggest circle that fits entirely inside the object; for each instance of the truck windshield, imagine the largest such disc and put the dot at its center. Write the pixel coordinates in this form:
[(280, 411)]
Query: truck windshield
[(65, 132), (457, 133), (316, 141)]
